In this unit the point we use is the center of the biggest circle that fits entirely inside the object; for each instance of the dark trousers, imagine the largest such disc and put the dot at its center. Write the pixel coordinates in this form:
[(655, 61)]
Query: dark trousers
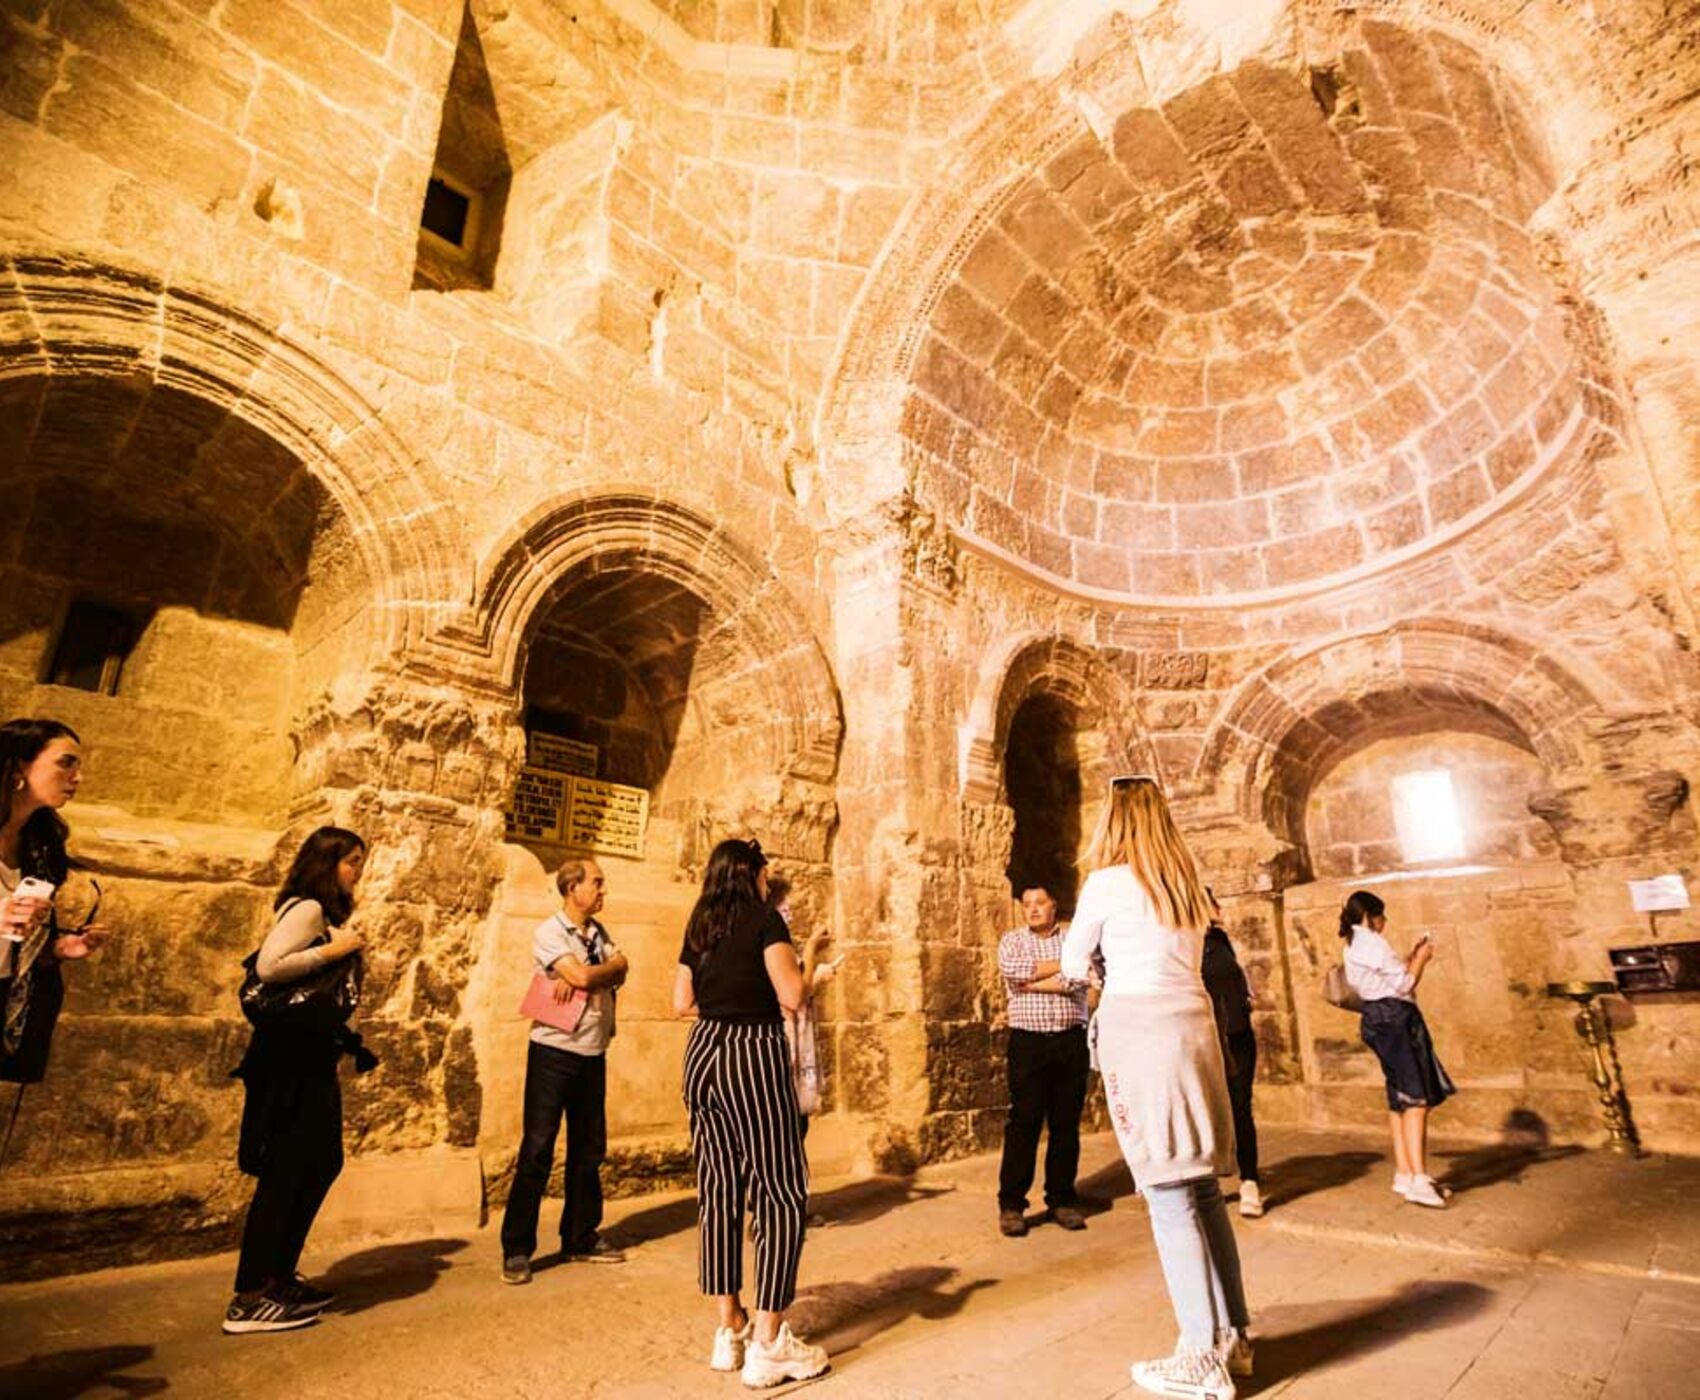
[(1242, 1047), (1047, 1091), (304, 1158), (559, 1082)]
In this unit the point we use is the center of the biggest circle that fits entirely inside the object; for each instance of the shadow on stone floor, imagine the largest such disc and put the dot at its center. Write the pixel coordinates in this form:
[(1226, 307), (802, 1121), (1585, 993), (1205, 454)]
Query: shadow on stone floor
[(65, 1375), (657, 1222), (387, 1273), (1496, 1162), (844, 1316), (1104, 1186), (1296, 1339), (1292, 1178), (861, 1201)]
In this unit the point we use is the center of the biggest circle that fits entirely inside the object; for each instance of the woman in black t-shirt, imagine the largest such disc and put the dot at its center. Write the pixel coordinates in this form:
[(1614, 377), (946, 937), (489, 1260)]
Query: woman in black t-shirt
[(737, 969)]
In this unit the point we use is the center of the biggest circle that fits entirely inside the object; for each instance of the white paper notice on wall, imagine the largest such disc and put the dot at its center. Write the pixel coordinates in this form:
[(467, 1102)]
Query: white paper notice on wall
[(1659, 895)]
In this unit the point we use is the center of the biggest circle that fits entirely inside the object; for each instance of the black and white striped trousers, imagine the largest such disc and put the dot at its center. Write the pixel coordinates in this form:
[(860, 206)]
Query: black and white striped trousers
[(748, 1141)]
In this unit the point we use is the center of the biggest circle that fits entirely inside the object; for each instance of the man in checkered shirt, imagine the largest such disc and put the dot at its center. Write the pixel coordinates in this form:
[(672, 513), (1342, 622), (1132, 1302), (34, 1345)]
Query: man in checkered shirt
[(1048, 1065)]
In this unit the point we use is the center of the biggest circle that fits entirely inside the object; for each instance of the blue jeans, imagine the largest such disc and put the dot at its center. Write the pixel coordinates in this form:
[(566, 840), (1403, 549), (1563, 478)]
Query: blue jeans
[(1201, 1262)]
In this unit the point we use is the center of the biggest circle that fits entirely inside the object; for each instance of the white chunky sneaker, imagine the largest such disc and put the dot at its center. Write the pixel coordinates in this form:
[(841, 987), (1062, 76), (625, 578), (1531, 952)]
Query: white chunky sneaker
[(786, 1358), (1251, 1200), (1402, 1183), (729, 1345), (1234, 1347), (1192, 1375), (1423, 1192)]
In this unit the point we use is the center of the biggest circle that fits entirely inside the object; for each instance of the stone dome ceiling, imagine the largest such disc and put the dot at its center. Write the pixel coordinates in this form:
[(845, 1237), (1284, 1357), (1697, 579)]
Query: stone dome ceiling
[(1288, 325)]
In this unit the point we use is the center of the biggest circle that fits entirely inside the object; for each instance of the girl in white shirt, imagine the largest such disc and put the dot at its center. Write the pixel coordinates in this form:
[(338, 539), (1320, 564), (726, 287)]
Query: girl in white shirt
[(1145, 907), (1394, 1028)]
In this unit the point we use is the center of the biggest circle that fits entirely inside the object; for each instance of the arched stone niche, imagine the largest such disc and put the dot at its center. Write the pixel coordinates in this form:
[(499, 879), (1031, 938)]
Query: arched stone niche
[(1231, 328), (1517, 907), (1291, 721), (275, 545), (639, 625)]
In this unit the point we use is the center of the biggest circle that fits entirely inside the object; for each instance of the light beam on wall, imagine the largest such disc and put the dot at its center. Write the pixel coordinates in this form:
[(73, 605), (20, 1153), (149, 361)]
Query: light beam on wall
[(1426, 814)]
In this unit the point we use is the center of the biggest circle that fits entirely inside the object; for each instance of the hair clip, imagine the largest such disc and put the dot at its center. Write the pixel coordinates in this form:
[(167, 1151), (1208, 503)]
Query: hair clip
[(1129, 779)]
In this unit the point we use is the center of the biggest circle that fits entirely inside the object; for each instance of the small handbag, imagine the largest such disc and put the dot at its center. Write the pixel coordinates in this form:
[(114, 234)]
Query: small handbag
[(325, 997), (1338, 991), (539, 1004), (805, 1058)]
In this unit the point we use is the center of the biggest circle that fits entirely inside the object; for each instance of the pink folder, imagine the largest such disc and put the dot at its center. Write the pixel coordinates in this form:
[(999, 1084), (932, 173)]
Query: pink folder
[(540, 1004)]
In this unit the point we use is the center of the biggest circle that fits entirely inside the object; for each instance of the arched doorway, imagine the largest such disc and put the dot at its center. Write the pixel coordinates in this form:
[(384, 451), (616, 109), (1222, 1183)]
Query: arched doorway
[(656, 658)]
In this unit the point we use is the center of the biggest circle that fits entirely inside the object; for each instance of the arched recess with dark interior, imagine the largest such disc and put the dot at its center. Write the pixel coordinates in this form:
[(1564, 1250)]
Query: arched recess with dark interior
[(175, 585), (171, 479), (1042, 784), (1050, 722), (639, 631)]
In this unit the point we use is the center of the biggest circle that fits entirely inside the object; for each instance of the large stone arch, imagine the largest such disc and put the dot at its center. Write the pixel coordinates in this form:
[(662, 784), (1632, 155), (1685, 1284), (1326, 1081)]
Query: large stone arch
[(1036, 664), (1552, 52), (69, 318), (1289, 721), (612, 530), (1017, 495)]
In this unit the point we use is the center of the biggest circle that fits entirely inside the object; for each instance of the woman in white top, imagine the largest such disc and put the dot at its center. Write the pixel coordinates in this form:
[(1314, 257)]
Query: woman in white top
[(1145, 908), (1394, 1028)]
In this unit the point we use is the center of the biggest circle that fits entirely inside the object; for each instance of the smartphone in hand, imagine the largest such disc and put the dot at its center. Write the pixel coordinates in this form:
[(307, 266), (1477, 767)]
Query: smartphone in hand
[(29, 888)]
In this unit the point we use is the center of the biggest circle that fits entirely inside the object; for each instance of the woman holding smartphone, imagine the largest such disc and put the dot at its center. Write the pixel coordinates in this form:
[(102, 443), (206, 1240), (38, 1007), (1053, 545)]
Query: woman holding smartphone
[(292, 1118), (1394, 1028), (41, 767)]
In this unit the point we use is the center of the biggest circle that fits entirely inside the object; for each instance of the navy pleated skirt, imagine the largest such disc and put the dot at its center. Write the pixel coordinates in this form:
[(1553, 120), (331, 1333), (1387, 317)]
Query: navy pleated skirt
[(1396, 1031)]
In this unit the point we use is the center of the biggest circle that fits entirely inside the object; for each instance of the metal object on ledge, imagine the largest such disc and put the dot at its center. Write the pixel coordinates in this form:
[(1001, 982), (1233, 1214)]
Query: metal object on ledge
[(1594, 1026)]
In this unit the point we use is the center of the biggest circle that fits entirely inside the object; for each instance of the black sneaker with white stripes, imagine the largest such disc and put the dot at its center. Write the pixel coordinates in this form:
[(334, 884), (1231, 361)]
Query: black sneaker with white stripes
[(298, 1293), (266, 1313)]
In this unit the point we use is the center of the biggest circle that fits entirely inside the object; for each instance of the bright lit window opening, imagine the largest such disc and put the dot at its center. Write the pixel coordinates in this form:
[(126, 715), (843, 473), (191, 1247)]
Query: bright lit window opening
[(1426, 814)]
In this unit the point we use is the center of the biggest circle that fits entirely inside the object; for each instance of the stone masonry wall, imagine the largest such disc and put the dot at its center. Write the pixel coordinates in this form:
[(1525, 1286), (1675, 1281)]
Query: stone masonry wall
[(1266, 385)]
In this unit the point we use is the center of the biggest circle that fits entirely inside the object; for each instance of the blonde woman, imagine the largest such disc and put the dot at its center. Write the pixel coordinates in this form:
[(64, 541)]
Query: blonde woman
[(1144, 907)]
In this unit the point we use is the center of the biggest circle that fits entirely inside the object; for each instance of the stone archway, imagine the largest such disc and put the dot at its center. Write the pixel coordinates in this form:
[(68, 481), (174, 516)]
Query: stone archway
[(170, 461), (104, 322), (1293, 718), (639, 628)]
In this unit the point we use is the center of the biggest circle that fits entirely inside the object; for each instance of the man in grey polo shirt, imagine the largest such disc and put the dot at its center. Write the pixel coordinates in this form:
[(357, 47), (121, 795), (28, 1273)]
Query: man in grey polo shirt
[(566, 1073)]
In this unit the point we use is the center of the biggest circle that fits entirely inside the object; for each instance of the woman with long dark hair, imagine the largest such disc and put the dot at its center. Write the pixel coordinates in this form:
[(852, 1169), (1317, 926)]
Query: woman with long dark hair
[(1144, 907), (41, 767), (1394, 1028), (292, 1118), (739, 973)]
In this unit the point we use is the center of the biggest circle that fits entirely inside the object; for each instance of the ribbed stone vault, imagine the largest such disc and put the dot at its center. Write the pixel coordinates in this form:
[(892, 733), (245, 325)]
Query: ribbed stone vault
[(1291, 323)]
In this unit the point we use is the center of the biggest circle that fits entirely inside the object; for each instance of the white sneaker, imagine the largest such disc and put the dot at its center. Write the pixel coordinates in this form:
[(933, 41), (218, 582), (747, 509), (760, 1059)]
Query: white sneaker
[(1402, 1182), (1423, 1192), (786, 1358), (1251, 1200), (728, 1353), (1234, 1347), (1193, 1375)]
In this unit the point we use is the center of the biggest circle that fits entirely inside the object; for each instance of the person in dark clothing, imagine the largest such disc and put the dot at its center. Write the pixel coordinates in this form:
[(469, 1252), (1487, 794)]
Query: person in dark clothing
[(41, 767), (291, 1137), (1230, 995)]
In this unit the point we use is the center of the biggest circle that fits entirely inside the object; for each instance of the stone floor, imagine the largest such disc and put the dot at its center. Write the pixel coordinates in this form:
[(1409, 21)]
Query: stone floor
[(1557, 1275)]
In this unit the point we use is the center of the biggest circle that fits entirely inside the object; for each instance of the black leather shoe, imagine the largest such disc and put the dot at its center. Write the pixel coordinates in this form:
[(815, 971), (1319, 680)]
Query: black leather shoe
[(1012, 1223)]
